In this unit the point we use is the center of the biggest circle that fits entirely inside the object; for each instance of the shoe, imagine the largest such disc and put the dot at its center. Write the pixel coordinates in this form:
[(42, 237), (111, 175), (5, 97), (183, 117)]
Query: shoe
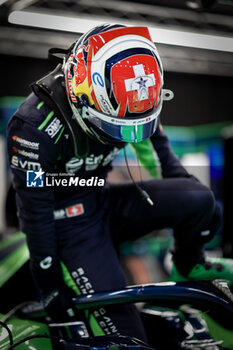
[(210, 269)]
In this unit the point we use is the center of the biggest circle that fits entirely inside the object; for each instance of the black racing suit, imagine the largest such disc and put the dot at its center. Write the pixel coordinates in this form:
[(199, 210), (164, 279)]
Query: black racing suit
[(72, 231)]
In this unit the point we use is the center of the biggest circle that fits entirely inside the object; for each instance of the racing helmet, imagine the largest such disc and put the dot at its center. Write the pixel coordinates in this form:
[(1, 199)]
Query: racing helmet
[(114, 81)]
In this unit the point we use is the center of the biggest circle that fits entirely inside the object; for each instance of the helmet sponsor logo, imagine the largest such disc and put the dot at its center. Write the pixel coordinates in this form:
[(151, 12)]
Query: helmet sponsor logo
[(83, 89), (69, 76), (106, 106), (26, 143), (76, 75), (54, 127), (70, 87), (97, 79)]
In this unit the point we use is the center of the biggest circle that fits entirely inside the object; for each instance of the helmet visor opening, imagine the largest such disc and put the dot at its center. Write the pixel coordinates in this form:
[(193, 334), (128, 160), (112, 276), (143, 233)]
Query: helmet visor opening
[(123, 129)]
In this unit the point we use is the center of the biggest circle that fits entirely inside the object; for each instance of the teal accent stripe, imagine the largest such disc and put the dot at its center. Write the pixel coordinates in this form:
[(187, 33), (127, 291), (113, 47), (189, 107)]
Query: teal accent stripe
[(40, 105), (145, 154), (59, 135), (47, 119)]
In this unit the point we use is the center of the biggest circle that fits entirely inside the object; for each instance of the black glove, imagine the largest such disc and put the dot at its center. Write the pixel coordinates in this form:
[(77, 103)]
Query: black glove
[(58, 304)]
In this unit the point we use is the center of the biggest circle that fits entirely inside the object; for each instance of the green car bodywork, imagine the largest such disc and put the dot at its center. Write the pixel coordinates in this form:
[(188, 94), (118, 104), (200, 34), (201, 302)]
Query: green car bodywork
[(22, 328)]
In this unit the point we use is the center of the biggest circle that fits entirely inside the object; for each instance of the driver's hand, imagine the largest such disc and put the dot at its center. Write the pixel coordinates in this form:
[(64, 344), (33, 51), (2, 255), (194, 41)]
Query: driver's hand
[(58, 304)]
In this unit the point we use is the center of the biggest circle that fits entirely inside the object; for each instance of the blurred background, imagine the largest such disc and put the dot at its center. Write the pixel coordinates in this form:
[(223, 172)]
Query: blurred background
[(195, 42)]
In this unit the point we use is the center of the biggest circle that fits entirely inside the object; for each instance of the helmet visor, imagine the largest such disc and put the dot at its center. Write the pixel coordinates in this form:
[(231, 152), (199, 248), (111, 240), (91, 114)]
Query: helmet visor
[(121, 129)]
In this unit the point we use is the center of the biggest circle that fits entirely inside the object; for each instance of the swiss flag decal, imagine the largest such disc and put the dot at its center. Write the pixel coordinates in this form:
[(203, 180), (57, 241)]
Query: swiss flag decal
[(136, 84), (75, 210)]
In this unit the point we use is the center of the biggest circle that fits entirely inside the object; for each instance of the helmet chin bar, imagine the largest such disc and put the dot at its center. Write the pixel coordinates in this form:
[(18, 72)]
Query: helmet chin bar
[(89, 119)]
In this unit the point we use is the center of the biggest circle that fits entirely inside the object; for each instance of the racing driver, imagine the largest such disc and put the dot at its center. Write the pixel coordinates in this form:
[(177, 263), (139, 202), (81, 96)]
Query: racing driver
[(107, 92)]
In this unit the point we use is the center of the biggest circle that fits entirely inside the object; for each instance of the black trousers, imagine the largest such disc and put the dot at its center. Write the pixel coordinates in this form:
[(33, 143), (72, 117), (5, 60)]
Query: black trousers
[(87, 242)]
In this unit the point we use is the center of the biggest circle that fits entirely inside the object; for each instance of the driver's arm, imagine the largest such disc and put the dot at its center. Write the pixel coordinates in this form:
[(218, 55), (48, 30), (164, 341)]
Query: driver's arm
[(170, 164), (35, 205)]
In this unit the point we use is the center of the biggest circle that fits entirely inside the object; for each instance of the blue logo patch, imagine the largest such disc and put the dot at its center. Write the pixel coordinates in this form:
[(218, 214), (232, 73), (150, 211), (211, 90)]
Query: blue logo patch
[(97, 79), (35, 178)]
